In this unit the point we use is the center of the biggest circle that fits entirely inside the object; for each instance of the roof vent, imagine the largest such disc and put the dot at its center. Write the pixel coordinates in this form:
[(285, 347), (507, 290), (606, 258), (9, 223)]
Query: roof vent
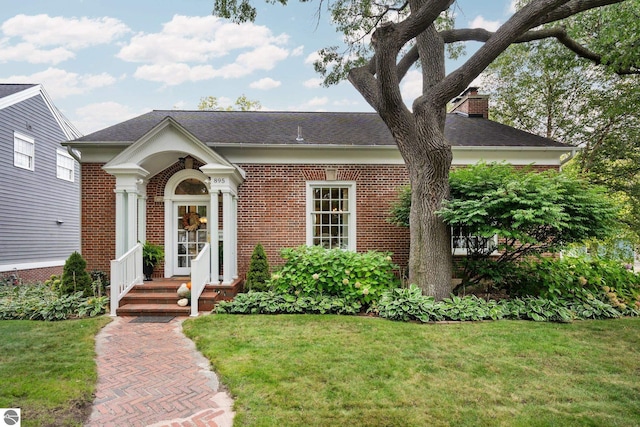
[(299, 138)]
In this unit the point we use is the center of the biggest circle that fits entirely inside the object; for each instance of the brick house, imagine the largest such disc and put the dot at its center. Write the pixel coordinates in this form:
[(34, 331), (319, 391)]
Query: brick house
[(183, 179)]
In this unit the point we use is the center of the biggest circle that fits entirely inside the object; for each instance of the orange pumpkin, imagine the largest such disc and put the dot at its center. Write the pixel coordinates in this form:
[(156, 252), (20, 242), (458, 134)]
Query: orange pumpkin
[(188, 285)]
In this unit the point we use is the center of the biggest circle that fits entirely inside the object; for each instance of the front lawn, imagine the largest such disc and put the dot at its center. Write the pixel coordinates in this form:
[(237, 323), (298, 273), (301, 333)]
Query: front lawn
[(309, 370), (48, 369)]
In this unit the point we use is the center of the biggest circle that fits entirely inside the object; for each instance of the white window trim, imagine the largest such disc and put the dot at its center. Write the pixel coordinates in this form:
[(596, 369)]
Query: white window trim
[(351, 185), (465, 251), (63, 153), (24, 138)]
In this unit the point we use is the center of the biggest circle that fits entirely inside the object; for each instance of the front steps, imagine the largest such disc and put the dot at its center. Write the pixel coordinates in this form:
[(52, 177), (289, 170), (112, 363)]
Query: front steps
[(160, 298)]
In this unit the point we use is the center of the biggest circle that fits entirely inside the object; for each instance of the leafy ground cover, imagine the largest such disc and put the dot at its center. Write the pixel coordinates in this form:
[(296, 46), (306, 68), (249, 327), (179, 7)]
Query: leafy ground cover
[(309, 370), (48, 369)]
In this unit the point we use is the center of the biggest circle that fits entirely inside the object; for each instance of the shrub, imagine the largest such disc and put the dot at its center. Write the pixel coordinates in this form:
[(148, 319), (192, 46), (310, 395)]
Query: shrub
[(272, 302), (40, 302), (258, 274), (355, 277), (75, 277)]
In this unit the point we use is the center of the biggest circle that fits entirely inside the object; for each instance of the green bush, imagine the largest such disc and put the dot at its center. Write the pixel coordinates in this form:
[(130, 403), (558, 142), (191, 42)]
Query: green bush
[(75, 277), (355, 277), (41, 302), (565, 278), (272, 302), (258, 275)]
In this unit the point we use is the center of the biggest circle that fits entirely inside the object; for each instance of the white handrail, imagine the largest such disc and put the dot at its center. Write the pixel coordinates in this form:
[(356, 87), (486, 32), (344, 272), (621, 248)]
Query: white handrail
[(200, 276), (126, 272)]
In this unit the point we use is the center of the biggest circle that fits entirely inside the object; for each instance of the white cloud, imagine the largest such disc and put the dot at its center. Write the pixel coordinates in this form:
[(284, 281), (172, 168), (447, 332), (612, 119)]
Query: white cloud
[(513, 6), (74, 33), (60, 83), (32, 54), (317, 101), (44, 39), (313, 82), (480, 22), (171, 55), (93, 117), (297, 51), (312, 57), (265, 84)]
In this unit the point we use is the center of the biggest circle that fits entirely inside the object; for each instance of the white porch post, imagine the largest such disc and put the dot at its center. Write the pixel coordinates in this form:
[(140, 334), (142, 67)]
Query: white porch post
[(234, 224), (132, 219), (142, 218), (213, 237), (121, 217), (227, 237)]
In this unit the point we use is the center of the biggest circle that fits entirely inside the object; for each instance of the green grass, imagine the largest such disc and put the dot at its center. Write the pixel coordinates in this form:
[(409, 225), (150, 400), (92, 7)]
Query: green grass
[(48, 369), (305, 370)]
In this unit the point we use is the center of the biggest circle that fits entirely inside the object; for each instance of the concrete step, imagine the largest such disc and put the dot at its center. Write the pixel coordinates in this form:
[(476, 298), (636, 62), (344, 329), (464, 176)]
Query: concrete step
[(152, 310)]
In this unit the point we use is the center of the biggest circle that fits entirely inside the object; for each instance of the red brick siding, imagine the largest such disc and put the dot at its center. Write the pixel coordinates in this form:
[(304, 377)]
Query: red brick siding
[(34, 274), (272, 208), (98, 217)]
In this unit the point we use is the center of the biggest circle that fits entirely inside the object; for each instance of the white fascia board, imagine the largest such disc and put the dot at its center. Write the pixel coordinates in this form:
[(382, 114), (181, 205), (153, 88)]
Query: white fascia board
[(23, 95), (384, 155), (103, 152)]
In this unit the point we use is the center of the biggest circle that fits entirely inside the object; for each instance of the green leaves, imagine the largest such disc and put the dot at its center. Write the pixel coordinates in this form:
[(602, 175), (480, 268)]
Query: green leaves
[(356, 277)]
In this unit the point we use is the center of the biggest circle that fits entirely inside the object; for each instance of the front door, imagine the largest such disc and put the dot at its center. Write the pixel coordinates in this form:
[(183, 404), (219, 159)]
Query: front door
[(190, 236)]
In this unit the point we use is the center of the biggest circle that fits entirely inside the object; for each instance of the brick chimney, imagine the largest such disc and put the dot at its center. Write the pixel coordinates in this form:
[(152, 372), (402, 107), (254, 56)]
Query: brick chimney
[(470, 104)]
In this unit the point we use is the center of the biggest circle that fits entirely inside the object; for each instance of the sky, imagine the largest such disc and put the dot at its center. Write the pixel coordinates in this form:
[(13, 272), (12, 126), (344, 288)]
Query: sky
[(106, 61)]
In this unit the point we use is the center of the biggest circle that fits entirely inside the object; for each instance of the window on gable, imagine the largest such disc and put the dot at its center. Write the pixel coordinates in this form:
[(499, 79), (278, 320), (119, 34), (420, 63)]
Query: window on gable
[(331, 215), (65, 165), (463, 242), (23, 151)]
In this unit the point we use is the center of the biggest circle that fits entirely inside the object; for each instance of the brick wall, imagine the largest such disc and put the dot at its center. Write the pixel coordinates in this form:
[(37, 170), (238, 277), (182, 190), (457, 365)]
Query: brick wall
[(98, 217), (32, 275), (271, 210)]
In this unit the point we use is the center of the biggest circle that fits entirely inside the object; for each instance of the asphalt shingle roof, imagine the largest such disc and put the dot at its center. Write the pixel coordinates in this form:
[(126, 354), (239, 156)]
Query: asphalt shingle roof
[(9, 89), (322, 128)]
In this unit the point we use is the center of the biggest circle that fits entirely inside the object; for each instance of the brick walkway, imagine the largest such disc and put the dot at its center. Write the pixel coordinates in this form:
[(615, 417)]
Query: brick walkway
[(150, 374)]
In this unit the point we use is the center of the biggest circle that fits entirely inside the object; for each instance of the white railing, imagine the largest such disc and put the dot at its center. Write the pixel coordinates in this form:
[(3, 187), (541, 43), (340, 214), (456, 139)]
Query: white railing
[(126, 272), (200, 276)]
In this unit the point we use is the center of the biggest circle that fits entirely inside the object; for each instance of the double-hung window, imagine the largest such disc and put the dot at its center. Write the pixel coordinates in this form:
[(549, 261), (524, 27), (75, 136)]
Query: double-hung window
[(23, 151), (331, 214), (464, 243), (64, 165)]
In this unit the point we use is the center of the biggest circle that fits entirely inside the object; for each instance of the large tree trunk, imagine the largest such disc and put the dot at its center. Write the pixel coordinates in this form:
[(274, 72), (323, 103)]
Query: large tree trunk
[(430, 260)]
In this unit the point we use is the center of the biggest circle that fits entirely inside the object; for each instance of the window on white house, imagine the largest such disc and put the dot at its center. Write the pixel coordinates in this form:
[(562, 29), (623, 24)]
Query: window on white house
[(463, 242), (23, 151), (65, 165), (331, 215)]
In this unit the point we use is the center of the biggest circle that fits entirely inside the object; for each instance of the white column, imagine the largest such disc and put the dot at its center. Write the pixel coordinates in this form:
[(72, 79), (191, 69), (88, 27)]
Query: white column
[(227, 237), (121, 224), (213, 237), (142, 218), (234, 224), (132, 219)]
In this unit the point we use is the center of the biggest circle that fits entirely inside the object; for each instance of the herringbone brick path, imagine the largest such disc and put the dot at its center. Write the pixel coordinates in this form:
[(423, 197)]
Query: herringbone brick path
[(150, 374)]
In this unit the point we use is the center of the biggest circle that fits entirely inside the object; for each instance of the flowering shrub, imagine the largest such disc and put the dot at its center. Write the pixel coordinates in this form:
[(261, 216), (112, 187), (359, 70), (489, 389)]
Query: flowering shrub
[(354, 277)]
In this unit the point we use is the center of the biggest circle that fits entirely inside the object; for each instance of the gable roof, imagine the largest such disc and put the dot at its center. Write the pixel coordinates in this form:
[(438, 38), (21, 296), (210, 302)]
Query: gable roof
[(11, 94), (264, 128)]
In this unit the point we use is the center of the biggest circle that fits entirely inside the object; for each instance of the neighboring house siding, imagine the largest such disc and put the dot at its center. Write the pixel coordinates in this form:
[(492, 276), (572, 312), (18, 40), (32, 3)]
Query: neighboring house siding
[(271, 210), (33, 201)]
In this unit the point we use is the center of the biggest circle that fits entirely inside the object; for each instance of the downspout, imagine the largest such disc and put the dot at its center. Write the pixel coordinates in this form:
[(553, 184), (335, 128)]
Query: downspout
[(569, 158)]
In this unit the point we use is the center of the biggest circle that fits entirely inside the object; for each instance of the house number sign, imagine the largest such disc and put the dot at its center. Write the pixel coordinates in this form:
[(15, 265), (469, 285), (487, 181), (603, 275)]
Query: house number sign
[(218, 180)]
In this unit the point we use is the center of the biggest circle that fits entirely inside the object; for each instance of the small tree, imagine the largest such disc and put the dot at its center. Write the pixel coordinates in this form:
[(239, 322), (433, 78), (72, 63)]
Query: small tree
[(258, 273), (531, 213), (75, 277)]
